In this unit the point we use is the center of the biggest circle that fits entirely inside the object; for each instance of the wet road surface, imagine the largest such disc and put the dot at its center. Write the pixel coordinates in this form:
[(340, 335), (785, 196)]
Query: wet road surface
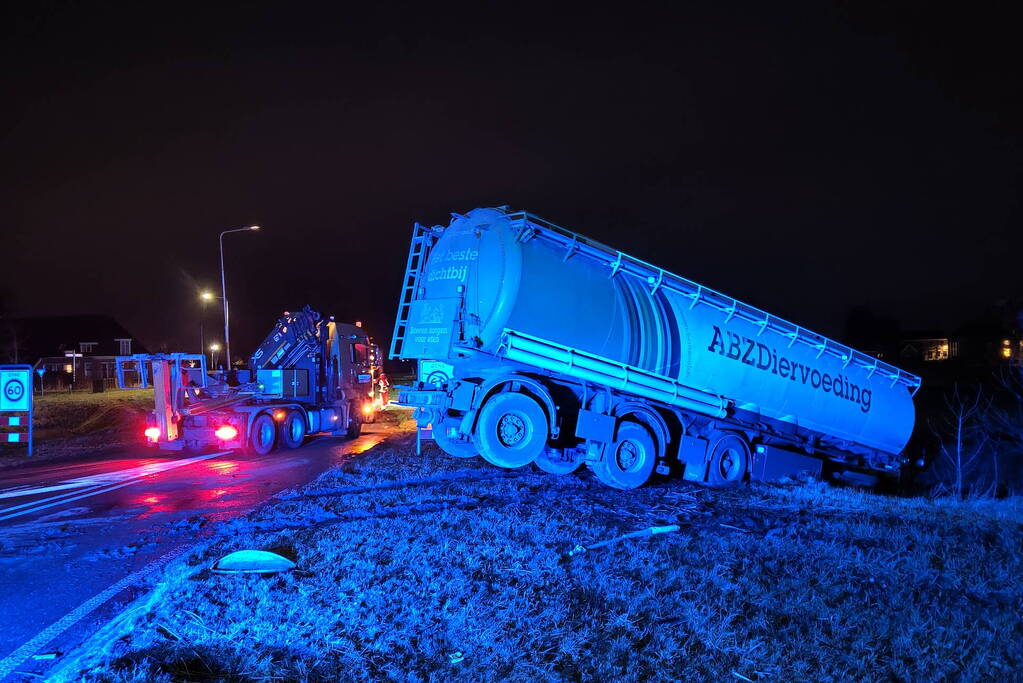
[(69, 533)]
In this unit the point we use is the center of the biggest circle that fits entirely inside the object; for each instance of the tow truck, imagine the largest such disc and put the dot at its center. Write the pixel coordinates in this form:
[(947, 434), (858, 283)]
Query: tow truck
[(310, 375)]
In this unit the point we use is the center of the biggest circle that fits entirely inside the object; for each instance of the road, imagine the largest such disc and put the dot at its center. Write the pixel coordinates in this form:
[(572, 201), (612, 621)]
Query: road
[(76, 538)]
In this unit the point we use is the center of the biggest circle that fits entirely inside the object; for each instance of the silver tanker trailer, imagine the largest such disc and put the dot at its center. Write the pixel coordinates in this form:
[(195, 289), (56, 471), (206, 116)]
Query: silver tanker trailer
[(536, 344)]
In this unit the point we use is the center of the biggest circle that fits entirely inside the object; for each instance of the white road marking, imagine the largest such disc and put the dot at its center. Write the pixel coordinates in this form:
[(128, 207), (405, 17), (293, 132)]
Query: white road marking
[(115, 480), (12, 661), (44, 500), (64, 499), (14, 493), (108, 477)]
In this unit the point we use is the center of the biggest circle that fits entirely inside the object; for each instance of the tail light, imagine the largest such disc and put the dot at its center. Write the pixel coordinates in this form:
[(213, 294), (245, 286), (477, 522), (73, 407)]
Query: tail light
[(226, 433), (152, 433), (367, 408)]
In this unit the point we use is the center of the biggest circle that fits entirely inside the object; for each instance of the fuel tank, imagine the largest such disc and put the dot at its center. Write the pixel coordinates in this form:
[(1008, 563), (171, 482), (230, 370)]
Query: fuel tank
[(490, 271)]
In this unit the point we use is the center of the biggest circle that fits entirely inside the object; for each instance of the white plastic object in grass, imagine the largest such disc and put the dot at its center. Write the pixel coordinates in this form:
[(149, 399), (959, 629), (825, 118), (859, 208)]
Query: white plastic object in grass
[(252, 562), (634, 534)]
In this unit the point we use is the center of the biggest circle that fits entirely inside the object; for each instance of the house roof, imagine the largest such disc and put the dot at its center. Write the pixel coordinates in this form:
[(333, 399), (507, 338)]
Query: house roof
[(39, 337)]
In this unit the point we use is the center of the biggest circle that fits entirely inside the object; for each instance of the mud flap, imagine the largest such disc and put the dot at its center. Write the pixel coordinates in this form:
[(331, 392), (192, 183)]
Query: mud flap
[(692, 453)]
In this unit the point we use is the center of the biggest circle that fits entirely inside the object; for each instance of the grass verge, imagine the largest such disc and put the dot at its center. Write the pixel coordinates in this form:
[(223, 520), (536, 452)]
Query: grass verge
[(432, 568), (72, 425)]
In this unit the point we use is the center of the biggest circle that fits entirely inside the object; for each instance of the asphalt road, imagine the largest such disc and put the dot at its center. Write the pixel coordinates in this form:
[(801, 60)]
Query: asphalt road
[(76, 538)]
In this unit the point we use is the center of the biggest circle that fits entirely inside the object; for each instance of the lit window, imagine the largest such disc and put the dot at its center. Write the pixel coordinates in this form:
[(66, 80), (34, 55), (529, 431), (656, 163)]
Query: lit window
[(935, 349)]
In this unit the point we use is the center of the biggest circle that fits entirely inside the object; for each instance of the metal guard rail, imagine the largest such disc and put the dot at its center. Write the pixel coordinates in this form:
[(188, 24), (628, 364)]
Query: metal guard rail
[(532, 226), (524, 348)]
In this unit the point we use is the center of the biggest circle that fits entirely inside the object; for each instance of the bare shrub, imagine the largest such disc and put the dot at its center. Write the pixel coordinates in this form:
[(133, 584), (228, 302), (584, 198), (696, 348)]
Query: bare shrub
[(965, 457)]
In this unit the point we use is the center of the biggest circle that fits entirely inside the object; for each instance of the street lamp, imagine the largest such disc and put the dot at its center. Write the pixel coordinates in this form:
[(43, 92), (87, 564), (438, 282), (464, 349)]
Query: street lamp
[(205, 297), (213, 353), (223, 291)]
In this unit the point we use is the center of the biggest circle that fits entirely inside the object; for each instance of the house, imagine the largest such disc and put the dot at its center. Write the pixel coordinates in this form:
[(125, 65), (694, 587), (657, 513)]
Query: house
[(74, 350)]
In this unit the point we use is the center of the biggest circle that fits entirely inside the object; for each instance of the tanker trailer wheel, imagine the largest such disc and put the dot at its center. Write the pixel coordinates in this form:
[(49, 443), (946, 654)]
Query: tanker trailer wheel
[(452, 446), (511, 430), (729, 460), (628, 462), (291, 431), (262, 434), (558, 460)]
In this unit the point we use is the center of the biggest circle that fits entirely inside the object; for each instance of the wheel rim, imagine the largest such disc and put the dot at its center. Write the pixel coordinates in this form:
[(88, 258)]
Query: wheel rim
[(730, 464), (628, 455), (296, 428), (266, 433), (511, 430)]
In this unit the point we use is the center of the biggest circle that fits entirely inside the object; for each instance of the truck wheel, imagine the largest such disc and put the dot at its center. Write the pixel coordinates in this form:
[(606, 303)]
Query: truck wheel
[(729, 460), (558, 460), (511, 431), (291, 431), (455, 447), (263, 434), (354, 423), (629, 461)]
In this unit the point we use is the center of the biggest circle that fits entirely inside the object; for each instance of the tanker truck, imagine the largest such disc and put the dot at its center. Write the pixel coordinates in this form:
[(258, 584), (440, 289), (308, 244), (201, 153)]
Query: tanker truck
[(538, 345)]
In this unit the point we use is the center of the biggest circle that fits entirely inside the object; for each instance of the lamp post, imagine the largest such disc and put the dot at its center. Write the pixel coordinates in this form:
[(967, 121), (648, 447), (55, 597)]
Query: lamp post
[(205, 297), (213, 353), (223, 292)]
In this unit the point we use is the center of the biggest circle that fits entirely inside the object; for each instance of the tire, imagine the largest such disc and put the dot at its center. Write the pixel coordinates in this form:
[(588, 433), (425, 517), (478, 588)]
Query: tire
[(558, 461), (453, 447), (628, 462), (354, 422), (262, 434), (511, 431), (729, 459), (292, 430)]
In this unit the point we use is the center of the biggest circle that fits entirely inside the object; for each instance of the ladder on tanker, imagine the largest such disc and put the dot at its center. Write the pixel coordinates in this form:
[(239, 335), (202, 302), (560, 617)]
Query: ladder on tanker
[(422, 240)]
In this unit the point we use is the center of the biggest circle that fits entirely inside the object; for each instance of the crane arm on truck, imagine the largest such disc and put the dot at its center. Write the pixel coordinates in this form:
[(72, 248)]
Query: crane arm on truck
[(294, 334)]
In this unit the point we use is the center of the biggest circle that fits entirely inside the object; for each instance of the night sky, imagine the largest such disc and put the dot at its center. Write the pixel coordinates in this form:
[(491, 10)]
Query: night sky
[(807, 158)]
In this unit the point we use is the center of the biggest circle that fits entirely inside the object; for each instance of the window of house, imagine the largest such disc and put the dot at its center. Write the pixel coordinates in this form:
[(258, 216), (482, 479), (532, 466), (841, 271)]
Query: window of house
[(125, 347), (87, 347), (935, 349)]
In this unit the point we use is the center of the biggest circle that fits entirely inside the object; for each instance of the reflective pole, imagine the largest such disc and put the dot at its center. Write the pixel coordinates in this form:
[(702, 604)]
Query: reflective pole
[(223, 293)]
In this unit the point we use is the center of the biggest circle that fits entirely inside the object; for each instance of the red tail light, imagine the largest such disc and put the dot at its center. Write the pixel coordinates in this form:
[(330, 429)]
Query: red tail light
[(226, 433), (152, 433)]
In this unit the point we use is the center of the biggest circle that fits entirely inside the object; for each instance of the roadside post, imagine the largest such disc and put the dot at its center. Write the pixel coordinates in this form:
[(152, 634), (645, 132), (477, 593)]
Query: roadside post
[(74, 366), (16, 404), (41, 370)]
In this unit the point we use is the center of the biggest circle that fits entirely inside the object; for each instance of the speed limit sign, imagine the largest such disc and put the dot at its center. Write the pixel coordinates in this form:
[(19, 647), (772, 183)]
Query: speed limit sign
[(16, 405)]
